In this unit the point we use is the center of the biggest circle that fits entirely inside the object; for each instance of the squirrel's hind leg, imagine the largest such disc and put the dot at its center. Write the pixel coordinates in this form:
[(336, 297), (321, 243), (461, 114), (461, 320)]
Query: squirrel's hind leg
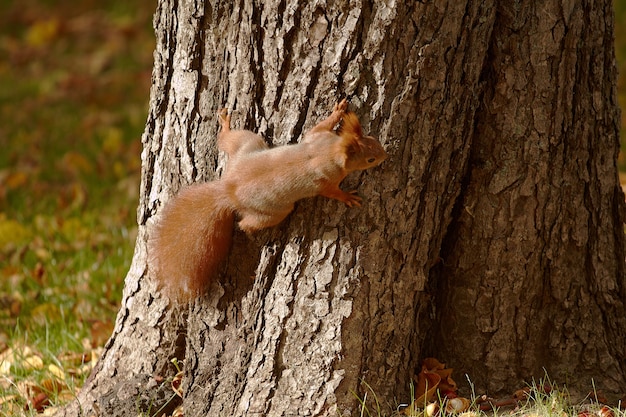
[(251, 221), (237, 141), (224, 119)]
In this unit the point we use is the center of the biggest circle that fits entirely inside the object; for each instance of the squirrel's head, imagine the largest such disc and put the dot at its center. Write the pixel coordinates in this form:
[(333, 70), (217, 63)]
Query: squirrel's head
[(362, 152)]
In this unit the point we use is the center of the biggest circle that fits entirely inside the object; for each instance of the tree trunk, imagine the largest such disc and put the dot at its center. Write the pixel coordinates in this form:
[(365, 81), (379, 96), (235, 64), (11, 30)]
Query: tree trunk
[(533, 276), (491, 238)]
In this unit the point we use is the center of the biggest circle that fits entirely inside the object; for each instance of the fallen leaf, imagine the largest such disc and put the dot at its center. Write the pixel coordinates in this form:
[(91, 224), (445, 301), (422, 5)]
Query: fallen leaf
[(38, 273), (76, 163), (38, 402), (15, 180), (12, 233), (42, 32), (605, 412), (74, 358), (434, 376), (8, 398), (45, 313), (9, 405), (19, 356), (32, 362), (427, 384), (112, 142), (56, 371), (51, 385), (177, 383)]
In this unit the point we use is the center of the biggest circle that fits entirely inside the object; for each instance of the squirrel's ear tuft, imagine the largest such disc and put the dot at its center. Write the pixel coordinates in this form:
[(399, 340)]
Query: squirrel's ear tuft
[(350, 126)]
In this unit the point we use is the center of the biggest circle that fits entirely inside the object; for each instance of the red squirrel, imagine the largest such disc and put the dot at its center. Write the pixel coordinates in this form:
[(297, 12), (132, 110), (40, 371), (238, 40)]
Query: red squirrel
[(259, 186)]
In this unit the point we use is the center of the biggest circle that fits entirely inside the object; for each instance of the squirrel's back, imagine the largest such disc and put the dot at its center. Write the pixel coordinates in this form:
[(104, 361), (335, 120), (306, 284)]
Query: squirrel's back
[(191, 238)]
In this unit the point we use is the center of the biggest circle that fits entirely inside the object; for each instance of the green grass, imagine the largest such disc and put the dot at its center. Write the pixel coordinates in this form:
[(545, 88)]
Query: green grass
[(74, 87), (542, 398)]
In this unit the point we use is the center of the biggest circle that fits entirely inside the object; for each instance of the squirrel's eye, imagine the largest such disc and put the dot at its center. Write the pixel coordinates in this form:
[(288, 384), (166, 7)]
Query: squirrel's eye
[(371, 160)]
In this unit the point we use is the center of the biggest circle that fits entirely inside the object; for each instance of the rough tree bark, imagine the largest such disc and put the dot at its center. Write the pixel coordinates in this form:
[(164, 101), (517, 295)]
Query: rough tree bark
[(491, 238), (534, 261)]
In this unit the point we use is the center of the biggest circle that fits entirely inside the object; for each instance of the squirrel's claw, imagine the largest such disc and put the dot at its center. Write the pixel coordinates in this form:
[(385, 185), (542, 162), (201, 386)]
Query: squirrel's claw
[(224, 118), (352, 200)]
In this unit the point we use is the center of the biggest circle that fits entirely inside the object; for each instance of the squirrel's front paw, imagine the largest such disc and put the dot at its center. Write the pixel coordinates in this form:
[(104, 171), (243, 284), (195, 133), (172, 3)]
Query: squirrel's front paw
[(351, 199)]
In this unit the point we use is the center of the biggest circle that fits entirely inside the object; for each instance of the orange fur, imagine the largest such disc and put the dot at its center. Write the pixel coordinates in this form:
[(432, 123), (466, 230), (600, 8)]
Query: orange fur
[(191, 239), (260, 186)]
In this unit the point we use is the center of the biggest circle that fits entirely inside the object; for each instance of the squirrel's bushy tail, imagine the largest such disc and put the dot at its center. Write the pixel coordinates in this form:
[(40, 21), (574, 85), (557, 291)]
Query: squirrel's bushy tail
[(191, 239)]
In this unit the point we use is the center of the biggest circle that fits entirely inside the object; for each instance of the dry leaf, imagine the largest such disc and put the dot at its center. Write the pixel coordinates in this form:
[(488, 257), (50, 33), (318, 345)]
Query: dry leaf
[(427, 384), (42, 32), (74, 358), (38, 402), (434, 375), (12, 233), (53, 385), (76, 163), (57, 372), (45, 313), (32, 362), (15, 180), (22, 356), (177, 384), (178, 412), (605, 412), (8, 398)]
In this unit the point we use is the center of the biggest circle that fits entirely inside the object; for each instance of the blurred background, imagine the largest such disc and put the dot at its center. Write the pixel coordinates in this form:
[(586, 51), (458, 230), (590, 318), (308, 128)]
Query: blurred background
[(74, 91)]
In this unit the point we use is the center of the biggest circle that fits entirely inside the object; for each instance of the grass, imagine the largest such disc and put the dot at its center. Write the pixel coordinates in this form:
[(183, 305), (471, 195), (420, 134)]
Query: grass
[(74, 86), (542, 398)]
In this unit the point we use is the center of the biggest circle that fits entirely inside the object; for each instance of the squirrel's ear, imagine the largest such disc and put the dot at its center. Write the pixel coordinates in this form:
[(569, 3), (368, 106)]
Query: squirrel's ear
[(353, 147), (347, 150)]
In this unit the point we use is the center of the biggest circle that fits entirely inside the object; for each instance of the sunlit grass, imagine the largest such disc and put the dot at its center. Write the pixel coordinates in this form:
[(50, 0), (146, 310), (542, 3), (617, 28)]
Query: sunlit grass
[(542, 398)]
